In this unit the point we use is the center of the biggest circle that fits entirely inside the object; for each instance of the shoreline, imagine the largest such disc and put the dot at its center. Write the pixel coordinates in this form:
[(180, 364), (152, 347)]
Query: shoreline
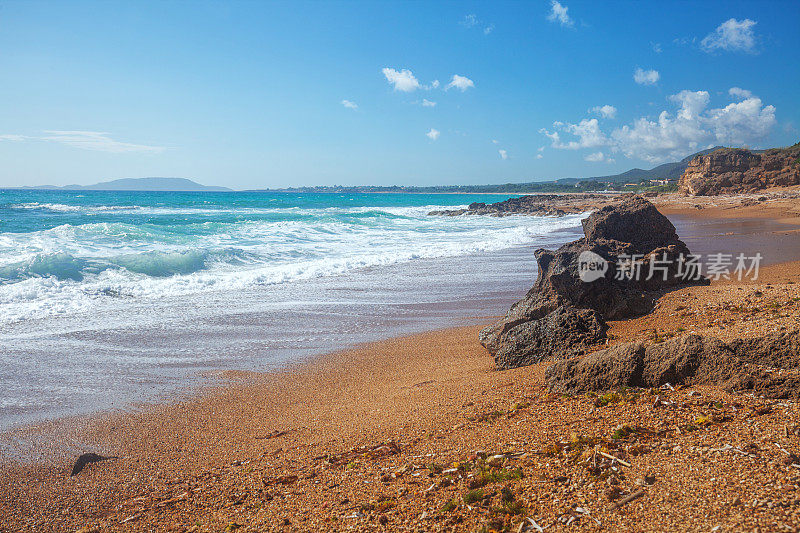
[(679, 214), (417, 385)]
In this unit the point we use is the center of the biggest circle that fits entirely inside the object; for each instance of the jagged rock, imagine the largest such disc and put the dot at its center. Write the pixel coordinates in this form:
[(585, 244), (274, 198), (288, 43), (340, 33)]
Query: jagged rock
[(531, 204), (743, 364), (563, 330), (633, 227), (736, 171)]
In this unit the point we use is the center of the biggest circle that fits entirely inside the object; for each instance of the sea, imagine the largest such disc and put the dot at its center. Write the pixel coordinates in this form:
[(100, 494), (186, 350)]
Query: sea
[(112, 300)]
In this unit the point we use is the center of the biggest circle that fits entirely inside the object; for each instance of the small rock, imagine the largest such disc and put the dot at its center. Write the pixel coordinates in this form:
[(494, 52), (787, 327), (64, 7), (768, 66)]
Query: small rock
[(792, 459), (85, 459)]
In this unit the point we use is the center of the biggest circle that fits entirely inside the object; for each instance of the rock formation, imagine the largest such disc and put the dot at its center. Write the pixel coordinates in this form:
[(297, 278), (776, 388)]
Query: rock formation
[(533, 204), (630, 254), (739, 171), (743, 364)]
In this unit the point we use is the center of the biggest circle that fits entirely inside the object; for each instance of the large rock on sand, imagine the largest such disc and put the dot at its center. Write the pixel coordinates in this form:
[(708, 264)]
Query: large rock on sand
[(743, 364), (565, 330), (564, 313)]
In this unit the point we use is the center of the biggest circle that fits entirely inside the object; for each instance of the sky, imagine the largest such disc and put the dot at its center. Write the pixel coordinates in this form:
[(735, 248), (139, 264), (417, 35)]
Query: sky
[(279, 94)]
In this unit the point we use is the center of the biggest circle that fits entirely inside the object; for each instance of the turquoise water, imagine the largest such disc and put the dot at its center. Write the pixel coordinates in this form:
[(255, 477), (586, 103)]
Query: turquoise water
[(63, 252), (107, 298)]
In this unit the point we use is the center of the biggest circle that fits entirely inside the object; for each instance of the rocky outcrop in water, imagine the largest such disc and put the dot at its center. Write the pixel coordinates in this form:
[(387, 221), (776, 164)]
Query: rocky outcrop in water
[(629, 256), (729, 171), (743, 364), (533, 204)]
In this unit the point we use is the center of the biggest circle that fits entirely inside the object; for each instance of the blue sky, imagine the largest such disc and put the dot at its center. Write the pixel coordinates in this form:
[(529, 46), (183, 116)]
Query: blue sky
[(257, 94)]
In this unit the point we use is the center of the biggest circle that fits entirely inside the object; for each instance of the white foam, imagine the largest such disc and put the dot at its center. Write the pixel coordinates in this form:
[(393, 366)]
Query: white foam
[(115, 258), (67, 208)]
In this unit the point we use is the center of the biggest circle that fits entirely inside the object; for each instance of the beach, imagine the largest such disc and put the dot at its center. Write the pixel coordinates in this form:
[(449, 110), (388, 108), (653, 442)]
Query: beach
[(372, 437), (113, 299)]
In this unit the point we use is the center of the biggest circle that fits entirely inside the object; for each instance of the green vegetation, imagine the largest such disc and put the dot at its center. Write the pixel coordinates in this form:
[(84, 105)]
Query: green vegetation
[(485, 477), (473, 496)]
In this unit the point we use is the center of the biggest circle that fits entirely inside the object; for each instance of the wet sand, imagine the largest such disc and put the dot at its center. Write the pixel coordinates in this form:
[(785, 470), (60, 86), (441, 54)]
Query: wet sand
[(201, 455)]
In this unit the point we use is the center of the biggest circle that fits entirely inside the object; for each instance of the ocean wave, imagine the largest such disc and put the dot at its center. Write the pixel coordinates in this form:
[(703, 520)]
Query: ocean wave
[(411, 211), (72, 268), (66, 267), (69, 208)]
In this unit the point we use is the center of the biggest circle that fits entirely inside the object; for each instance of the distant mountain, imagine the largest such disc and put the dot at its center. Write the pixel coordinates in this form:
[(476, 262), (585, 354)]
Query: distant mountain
[(615, 182), (665, 171), (139, 184)]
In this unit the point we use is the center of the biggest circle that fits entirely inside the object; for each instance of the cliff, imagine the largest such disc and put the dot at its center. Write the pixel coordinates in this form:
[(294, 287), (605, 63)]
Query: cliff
[(732, 170)]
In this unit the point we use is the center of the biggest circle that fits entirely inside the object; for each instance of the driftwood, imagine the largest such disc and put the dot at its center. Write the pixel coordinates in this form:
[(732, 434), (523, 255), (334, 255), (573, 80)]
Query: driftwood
[(629, 498), (274, 434), (617, 459)]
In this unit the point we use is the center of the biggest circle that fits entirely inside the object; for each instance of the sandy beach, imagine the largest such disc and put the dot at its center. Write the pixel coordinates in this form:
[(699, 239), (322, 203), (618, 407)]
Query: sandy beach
[(379, 437)]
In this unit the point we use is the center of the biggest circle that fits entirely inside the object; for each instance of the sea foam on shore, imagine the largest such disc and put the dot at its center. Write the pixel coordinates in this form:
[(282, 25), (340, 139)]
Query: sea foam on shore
[(107, 298)]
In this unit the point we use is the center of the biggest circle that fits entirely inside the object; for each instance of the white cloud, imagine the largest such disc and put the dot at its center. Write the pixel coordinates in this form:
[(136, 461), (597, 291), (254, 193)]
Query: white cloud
[(349, 105), (460, 82), (656, 47), (402, 80), (732, 36), (559, 13), (595, 157), (428, 103), (469, 20), (742, 122), (587, 131), (472, 20), (435, 84), (691, 127), (96, 141), (694, 127), (503, 154), (540, 149), (86, 140), (605, 111), (433, 134), (739, 93), (495, 141), (539, 156), (646, 77)]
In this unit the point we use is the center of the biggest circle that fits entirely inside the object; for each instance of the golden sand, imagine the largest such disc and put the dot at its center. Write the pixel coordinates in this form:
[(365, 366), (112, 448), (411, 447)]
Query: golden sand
[(420, 433)]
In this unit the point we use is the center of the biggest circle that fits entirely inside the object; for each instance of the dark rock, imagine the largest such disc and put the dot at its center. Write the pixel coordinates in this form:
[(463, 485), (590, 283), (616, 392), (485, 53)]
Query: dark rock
[(565, 329), (617, 366), (743, 364), (85, 459), (635, 221), (634, 227), (531, 204), (779, 350), (687, 359)]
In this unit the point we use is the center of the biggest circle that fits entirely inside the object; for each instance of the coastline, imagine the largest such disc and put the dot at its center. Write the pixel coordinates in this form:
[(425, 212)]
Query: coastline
[(415, 390)]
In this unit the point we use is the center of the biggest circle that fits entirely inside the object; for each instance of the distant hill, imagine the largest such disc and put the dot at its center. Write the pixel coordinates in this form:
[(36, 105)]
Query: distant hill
[(665, 171), (139, 184), (615, 182)]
